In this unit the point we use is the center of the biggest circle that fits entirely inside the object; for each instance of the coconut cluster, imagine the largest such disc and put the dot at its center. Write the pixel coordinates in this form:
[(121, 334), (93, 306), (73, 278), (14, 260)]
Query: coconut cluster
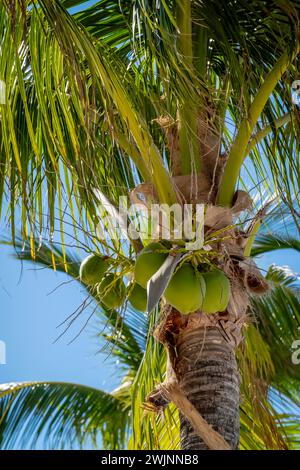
[(190, 289), (94, 272)]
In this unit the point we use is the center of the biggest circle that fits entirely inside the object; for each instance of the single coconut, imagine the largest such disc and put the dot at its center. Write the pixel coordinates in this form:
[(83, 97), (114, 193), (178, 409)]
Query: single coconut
[(148, 262), (186, 289), (138, 297), (111, 291), (92, 269), (217, 291)]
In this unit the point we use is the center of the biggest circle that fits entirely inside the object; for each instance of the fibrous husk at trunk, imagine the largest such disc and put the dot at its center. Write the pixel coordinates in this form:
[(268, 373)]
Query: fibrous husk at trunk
[(220, 334), (170, 128), (190, 189), (211, 160), (253, 279)]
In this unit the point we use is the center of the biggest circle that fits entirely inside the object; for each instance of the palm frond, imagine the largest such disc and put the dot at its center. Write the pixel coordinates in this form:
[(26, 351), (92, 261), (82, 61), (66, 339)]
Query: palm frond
[(89, 118), (270, 381), (278, 230), (152, 431), (278, 317), (272, 242), (59, 415)]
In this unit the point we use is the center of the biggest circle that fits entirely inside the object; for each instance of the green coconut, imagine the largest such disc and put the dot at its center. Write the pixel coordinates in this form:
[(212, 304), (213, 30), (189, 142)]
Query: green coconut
[(92, 269), (111, 291), (138, 297), (186, 289), (148, 262), (217, 291)]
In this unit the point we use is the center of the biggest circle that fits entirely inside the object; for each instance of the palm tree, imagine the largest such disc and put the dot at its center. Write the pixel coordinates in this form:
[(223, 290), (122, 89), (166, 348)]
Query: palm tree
[(174, 101)]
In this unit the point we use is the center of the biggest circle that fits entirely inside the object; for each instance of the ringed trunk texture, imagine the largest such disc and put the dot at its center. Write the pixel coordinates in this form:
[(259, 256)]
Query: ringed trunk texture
[(207, 373)]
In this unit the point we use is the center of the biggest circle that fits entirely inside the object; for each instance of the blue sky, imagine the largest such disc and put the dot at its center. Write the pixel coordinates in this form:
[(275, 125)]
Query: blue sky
[(30, 315), (84, 5)]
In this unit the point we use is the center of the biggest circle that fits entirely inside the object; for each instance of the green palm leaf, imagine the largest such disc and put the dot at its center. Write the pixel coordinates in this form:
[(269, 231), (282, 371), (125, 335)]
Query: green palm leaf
[(267, 243), (277, 232), (88, 116), (61, 415), (279, 322), (270, 381)]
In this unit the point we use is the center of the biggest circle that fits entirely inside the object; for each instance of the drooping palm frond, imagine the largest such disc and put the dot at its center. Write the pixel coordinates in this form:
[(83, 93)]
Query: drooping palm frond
[(152, 431), (265, 427), (278, 231), (63, 91), (267, 243), (270, 380), (279, 322), (86, 91), (59, 415), (48, 255)]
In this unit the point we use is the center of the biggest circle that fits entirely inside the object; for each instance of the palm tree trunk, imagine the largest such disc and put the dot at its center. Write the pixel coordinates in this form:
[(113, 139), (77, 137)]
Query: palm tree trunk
[(207, 373)]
